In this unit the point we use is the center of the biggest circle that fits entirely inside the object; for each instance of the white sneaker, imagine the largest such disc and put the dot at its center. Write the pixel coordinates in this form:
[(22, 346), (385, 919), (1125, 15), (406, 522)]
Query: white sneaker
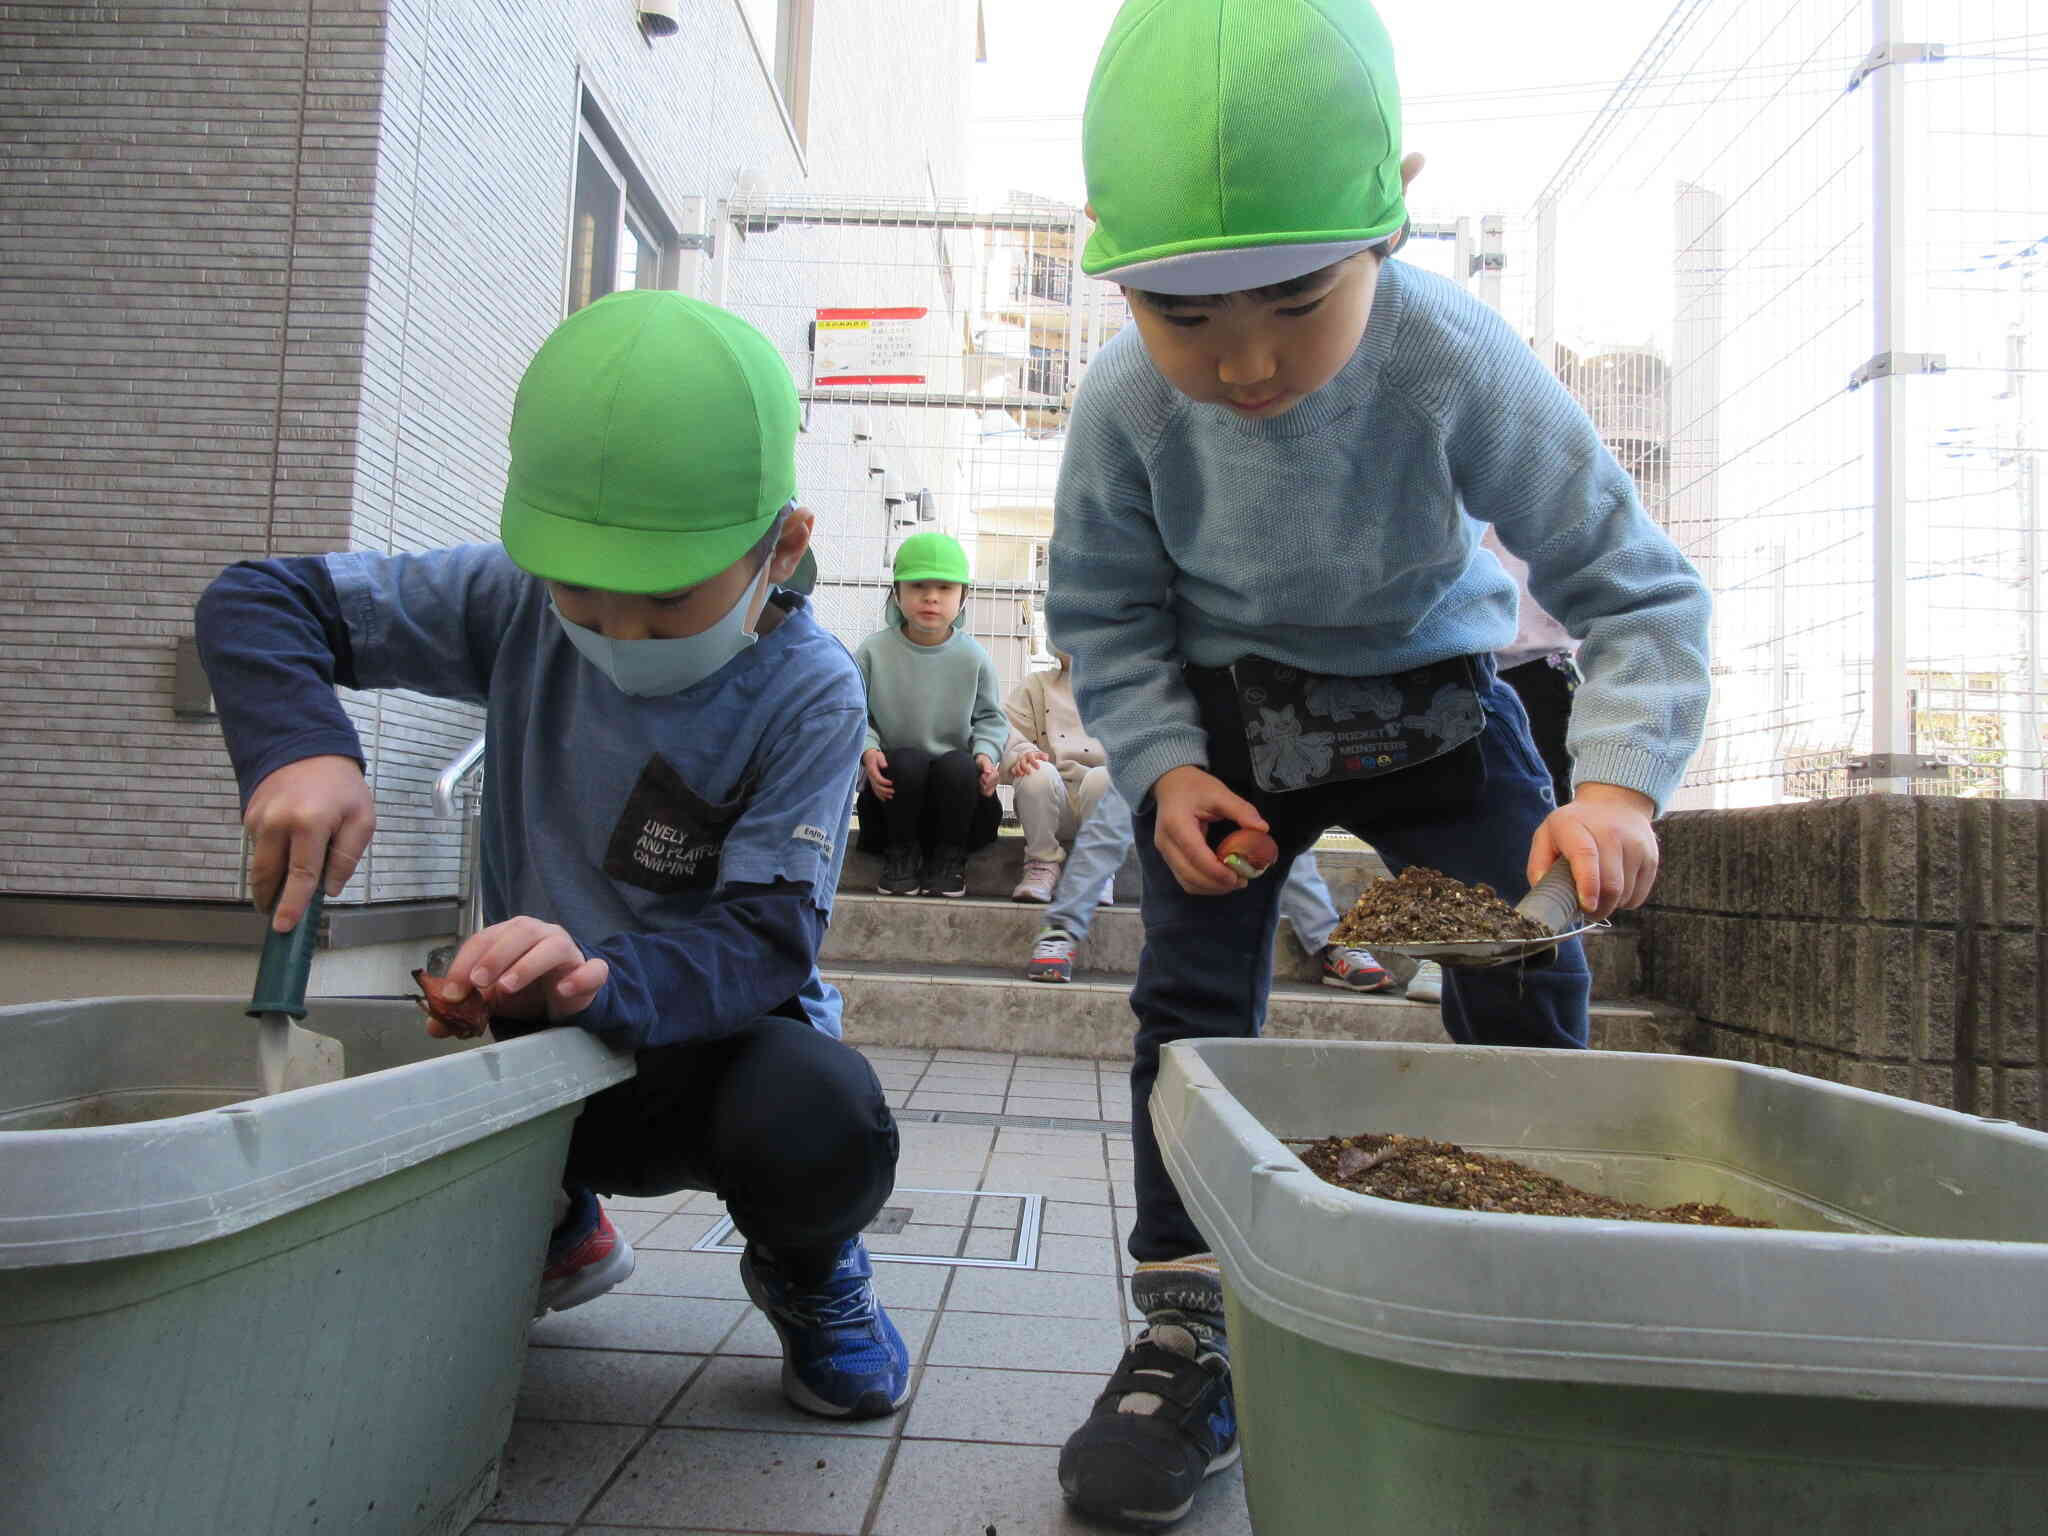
[(1041, 879), (1427, 984), (1108, 896)]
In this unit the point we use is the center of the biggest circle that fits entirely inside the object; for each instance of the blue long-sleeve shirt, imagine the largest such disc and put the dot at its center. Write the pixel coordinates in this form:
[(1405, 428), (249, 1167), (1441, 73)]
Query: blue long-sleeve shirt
[(693, 841), (1343, 537)]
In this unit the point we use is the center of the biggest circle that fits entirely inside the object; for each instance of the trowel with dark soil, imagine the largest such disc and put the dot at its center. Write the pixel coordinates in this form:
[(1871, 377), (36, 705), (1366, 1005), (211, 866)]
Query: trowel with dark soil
[(1549, 915), (290, 1056)]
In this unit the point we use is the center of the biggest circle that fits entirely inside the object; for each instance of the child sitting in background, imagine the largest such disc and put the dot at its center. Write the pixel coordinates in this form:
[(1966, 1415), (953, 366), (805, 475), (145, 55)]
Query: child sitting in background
[(928, 772), (1058, 772)]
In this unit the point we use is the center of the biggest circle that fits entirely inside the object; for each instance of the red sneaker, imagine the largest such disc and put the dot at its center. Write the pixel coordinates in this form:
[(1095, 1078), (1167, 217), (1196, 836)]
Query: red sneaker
[(584, 1261)]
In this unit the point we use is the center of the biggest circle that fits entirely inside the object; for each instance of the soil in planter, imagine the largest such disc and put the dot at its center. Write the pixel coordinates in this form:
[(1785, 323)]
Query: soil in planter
[(1425, 906), (1418, 1171)]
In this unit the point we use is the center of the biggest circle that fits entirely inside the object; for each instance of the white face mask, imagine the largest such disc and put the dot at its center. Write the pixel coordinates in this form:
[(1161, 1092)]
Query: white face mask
[(649, 669)]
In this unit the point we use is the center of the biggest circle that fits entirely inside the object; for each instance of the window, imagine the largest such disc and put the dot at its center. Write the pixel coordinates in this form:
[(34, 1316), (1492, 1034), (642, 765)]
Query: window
[(1044, 275), (615, 241), (1045, 373), (782, 36)]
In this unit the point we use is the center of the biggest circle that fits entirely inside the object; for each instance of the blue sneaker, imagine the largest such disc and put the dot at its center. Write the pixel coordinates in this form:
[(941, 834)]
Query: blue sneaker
[(841, 1356)]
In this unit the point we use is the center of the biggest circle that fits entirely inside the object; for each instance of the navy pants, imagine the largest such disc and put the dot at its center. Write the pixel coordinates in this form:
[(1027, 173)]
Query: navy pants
[(787, 1125), (1207, 964)]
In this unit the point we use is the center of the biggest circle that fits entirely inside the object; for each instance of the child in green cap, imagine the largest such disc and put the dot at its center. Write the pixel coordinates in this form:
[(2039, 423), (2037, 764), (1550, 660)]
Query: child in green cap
[(935, 728), (1266, 565), (671, 748)]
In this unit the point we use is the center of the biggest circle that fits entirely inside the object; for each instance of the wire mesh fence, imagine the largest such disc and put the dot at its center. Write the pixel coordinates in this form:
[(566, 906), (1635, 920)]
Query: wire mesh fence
[(1707, 268), (1710, 270), (937, 348)]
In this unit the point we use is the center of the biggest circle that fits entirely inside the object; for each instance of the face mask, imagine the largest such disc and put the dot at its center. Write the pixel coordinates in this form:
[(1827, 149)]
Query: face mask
[(649, 669)]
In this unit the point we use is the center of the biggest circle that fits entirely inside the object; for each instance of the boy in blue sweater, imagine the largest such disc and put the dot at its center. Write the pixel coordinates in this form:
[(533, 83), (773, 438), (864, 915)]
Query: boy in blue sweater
[(1266, 565), (672, 747)]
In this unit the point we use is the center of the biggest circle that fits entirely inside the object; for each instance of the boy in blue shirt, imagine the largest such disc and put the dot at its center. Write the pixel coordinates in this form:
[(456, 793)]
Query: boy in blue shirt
[(671, 749), (1266, 565)]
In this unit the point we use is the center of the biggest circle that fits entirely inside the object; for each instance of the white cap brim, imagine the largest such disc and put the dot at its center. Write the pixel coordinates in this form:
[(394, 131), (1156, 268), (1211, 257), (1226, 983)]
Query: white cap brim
[(1233, 270)]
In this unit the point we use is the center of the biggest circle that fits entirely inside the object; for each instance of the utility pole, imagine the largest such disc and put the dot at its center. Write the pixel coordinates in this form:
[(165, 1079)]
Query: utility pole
[(1891, 765), (2033, 772)]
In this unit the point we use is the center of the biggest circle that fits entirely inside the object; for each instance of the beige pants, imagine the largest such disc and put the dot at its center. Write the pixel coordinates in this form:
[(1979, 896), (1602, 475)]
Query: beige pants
[(1051, 813)]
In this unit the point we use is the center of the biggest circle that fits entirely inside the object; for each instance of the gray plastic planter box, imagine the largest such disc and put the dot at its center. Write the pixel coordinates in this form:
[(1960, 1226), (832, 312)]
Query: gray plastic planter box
[(299, 1314), (1879, 1366)]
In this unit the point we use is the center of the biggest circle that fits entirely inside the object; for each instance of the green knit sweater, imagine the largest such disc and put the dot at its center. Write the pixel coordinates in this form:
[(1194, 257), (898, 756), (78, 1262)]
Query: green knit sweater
[(942, 698)]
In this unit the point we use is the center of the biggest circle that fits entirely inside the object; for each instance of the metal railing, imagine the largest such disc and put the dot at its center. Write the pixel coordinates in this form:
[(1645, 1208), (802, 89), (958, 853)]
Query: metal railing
[(458, 793)]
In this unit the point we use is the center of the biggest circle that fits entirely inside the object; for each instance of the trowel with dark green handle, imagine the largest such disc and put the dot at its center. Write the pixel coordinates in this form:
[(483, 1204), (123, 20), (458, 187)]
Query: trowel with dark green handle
[(291, 1057)]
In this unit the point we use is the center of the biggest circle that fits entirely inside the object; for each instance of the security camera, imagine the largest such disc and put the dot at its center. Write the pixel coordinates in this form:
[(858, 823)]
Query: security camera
[(658, 18)]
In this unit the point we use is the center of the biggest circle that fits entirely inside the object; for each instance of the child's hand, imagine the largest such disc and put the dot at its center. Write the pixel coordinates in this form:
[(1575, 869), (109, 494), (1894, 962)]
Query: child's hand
[(988, 773), (525, 969), (1605, 832), (872, 762), (315, 811), (1188, 799), (1027, 763)]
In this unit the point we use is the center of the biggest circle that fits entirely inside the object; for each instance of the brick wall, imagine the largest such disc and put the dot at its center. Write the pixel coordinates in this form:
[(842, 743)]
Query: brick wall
[(1890, 942), (277, 271), (188, 188)]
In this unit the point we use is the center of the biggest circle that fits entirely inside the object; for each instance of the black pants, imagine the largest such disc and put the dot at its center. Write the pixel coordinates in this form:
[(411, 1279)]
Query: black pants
[(938, 801), (1545, 690), (786, 1125)]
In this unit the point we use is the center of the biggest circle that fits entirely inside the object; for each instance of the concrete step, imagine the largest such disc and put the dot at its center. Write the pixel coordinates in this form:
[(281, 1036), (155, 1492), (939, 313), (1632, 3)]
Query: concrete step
[(929, 930), (980, 1008)]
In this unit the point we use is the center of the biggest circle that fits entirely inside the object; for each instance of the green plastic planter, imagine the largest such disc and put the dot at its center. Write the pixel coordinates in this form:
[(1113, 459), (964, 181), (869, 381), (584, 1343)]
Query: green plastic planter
[(1878, 1365), (222, 1313)]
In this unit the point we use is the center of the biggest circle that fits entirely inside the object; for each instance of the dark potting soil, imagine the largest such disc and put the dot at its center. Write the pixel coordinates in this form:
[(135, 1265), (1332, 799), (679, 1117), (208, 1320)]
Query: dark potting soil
[(1425, 906), (1419, 1171)]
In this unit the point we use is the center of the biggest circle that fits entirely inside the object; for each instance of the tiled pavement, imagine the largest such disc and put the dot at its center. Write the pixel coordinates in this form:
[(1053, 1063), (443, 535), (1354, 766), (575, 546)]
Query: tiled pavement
[(658, 1407)]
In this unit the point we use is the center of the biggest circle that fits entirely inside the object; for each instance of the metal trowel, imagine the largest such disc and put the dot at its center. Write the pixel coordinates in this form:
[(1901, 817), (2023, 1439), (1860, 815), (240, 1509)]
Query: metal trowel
[(291, 1057), (1554, 902)]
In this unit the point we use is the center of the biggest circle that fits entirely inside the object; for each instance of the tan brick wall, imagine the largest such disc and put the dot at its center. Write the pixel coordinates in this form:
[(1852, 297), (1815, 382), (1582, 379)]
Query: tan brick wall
[(1887, 941)]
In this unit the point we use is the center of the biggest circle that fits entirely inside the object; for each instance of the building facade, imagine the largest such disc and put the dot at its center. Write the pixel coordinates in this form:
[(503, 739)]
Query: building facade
[(274, 274)]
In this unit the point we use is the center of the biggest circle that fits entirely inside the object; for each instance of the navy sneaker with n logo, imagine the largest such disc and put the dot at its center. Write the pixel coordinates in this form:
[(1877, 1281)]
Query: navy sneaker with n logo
[(1165, 1421), (842, 1357)]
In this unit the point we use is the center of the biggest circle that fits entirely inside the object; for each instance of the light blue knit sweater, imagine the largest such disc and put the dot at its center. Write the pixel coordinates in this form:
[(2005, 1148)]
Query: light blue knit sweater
[(1340, 537)]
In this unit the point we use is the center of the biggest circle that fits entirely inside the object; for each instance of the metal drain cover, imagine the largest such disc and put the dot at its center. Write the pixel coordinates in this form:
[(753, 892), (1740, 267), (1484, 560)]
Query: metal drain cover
[(936, 1226)]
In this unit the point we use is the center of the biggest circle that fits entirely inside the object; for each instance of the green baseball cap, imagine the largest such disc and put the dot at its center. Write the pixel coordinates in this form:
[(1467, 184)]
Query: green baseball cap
[(653, 443), (1230, 144), (931, 557)]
